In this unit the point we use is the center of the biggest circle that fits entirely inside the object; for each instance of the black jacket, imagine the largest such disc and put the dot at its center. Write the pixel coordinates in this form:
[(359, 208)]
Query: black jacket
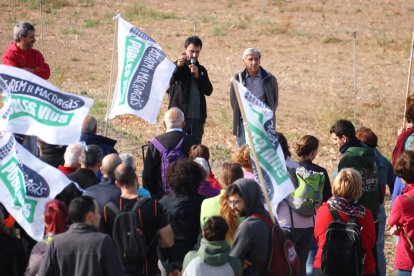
[(180, 88), (151, 175), (271, 92)]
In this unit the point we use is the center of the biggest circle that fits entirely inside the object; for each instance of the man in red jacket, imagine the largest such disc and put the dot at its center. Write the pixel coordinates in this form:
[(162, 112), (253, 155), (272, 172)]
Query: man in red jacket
[(21, 53)]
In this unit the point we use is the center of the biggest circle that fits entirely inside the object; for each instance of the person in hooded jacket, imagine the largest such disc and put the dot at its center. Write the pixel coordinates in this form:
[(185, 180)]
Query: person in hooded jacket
[(183, 205), (212, 258), (253, 240)]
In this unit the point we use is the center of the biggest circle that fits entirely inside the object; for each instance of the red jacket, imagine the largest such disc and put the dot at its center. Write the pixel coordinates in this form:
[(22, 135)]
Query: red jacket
[(30, 58), (400, 145), (213, 182), (402, 215), (324, 217)]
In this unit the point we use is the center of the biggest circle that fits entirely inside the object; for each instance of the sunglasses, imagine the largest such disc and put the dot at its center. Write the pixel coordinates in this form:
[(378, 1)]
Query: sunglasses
[(234, 203)]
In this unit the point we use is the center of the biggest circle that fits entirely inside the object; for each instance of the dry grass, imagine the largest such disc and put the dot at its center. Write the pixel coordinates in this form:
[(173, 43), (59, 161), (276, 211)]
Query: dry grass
[(307, 44)]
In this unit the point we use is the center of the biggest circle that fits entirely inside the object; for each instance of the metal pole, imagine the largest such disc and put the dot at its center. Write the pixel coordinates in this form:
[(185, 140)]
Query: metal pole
[(355, 72), (41, 27), (112, 74), (409, 78)]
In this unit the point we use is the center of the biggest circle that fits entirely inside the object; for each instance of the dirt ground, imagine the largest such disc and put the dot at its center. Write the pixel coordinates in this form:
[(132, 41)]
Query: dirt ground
[(308, 45)]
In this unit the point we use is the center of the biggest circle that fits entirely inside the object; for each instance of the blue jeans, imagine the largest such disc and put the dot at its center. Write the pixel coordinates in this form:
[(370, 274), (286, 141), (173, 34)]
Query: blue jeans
[(382, 264), (241, 138), (311, 257), (404, 273)]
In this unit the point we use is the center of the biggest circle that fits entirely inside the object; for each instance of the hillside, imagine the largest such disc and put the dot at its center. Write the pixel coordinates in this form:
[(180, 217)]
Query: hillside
[(308, 45)]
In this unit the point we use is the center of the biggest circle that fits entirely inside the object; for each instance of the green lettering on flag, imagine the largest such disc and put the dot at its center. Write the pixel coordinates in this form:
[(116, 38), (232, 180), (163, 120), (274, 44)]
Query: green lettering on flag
[(42, 111), (267, 154), (134, 50), (12, 176)]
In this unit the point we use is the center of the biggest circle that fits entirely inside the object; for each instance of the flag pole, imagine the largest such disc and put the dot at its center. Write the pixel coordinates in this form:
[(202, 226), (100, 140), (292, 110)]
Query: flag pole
[(409, 78), (111, 78), (355, 73), (249, 134), (41, 27)]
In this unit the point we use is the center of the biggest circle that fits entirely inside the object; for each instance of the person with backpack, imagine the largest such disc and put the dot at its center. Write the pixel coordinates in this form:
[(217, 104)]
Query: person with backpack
[(182, 204), (296, 213), (163, 150), (345, 230), (252, 240), (133, 214), (212, 258), (401, 219)]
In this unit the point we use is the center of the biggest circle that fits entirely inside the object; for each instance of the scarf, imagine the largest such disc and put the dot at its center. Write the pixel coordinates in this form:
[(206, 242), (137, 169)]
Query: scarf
[(347, 206)]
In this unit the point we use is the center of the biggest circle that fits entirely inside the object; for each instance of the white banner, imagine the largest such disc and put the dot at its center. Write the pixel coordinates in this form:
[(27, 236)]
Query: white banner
[(40, 109), (143, 74), (270, 155), (26, 185)]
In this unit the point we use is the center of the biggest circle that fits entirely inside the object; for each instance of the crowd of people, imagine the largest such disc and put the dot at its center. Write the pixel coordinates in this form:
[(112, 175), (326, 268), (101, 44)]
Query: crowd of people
[(181, 219)]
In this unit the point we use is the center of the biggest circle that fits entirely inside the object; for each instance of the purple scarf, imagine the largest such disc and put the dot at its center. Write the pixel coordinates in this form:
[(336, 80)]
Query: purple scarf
[(347, 206)]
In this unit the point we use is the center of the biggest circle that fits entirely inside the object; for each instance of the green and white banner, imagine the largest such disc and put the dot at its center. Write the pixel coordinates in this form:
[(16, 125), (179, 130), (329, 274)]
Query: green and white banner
[(26, 184), (143, 74), (40, 109), (270, 155)]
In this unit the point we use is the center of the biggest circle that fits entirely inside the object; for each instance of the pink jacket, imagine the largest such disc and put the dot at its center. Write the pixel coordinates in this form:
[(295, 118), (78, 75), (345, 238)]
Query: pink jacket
[(402, 215)]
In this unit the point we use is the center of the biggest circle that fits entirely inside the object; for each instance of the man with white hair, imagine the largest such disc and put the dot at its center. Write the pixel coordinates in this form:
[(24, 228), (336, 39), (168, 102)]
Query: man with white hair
[(21, 53), (71, 157), (259, 82), (174, 124)]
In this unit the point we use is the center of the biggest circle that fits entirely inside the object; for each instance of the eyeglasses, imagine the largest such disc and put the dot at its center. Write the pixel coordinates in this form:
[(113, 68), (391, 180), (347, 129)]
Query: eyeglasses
[(234, 203)]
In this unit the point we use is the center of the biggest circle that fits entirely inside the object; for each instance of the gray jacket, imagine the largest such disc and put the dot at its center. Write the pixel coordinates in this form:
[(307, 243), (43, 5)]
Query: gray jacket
[(271, 93), (252, 241), (82, 250)]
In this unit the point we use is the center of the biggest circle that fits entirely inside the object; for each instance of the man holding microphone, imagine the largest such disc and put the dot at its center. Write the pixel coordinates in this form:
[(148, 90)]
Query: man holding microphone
[(189, 85)]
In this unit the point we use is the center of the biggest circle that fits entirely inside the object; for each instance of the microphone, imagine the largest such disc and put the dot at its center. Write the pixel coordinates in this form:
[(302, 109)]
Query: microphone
[(193, 61)]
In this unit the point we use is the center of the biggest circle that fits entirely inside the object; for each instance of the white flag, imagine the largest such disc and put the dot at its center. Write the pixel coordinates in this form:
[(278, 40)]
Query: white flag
[(26, 185), (270, 155), (143, 74), (40, 109)]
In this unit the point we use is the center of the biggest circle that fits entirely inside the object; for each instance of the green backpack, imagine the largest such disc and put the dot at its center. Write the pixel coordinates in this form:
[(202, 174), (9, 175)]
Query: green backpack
[(309, 192)]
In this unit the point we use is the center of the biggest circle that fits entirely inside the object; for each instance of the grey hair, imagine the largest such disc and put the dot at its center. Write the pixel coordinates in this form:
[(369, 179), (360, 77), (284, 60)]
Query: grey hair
[(22, 29), (91, 156), (72, 153), (252, 51), (128, 158), (173, 118)]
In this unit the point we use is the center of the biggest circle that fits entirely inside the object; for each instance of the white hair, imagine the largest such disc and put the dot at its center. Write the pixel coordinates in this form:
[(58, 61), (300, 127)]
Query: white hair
[(173, 118), (252, 51), (72, 154)]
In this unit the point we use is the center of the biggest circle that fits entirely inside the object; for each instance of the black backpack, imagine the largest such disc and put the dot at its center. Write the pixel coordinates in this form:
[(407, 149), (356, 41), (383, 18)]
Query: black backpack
[(127, 232), (343, 254)]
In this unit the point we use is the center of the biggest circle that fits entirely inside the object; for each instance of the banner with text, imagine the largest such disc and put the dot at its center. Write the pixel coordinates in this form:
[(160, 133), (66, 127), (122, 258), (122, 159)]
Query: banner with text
[(38, 108), (270, 155), (26, 185), (143, 74), (5, 99)]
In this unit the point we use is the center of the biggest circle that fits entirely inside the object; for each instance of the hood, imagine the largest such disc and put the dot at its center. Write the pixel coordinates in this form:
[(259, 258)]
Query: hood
[(362, 151), (252, 196), (215, 253)]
